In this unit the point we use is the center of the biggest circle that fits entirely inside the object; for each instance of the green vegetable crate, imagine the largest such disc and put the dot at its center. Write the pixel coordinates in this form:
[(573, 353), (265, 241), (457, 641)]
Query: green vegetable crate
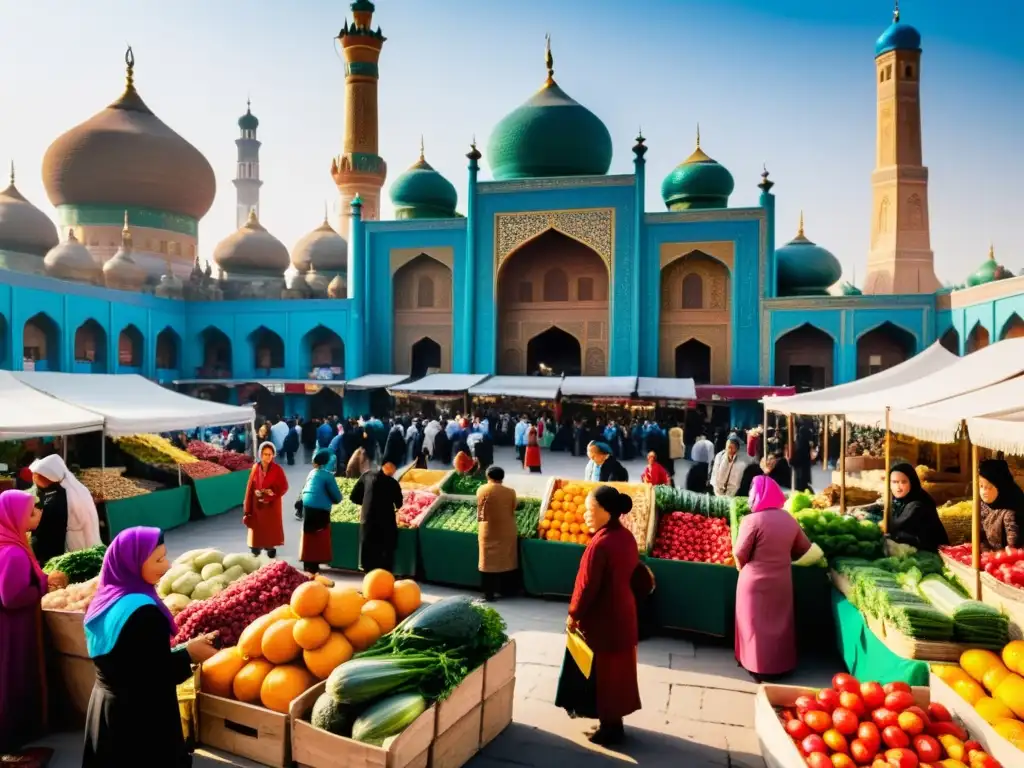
[(694, 597), (222, 493), (345, 549), (449, 557)]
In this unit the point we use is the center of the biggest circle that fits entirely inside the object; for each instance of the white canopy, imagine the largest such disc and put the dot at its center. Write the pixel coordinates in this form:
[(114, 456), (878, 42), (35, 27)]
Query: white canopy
[(829, 401), (376, 381), (441, 382), (598, 386), (991, 365), (529, 387), (649, 388), (26, 412), (130, 404), (1003, 433)]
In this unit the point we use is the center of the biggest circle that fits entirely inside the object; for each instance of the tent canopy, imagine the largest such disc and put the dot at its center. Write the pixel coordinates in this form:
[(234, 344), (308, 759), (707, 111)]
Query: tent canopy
[(27, 412), (130, 404), (376, 381), (823, 402), (650, 388), (442, 382), (1004, 433), (598, 386), (529, 387)]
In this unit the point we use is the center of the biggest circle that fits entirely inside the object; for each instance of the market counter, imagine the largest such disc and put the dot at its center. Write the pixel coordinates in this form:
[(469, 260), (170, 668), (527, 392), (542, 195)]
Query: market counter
[(549, 567), (694, 597), (345, 549), (450, 557), (161, 509), (219, 494)]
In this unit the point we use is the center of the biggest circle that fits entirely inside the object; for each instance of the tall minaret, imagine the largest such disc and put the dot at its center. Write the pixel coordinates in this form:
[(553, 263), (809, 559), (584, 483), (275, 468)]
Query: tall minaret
[(247, 175), (359, 170), (901, 258)]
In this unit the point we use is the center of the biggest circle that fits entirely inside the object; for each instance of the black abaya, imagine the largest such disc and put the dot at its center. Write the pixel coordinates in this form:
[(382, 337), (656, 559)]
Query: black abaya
[(380, 497), (48, 539)]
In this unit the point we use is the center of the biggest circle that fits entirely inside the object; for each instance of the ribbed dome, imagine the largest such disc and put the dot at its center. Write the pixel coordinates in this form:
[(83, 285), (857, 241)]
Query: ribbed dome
[(550, 134), (423, 193), (121, 271), (71, 260), (898, 37), (697, 182), (23, 227), (323, 248), (126, 156), (251, 250), (989, 271), (805, 269)]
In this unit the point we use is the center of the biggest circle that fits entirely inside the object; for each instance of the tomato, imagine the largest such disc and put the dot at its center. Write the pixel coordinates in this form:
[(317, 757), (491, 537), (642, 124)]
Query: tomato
[(804, 703), (812, 744), (868, 733), (872, 695), (844, 682), (839, 760), (827, 699), (984, 760), (883, 717), (971, 745), (818, 721), (845, 721), (920, 713), (938, 712), (835, 741), (798, 730), (927, 748), (901, 758), (911, 723), (897, 701), (897, 686), (853, 702), (947, 729), (894, 737), (862, 752), (819, 760)]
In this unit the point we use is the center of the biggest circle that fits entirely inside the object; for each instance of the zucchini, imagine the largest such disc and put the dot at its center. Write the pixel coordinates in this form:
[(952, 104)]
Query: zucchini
[(452, 621), (360, 680), (388, 717)]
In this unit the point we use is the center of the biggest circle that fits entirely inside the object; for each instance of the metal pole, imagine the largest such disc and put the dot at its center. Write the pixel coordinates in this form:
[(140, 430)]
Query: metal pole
[(888, 465), (975, 524), (842, 467), (103, 462), (824, 445)]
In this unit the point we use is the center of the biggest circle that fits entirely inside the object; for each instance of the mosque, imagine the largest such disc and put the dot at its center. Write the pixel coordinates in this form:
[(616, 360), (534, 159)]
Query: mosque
[(555, 266)]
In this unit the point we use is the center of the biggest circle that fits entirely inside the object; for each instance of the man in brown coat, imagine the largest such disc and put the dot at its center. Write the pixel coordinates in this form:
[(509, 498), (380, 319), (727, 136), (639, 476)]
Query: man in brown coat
[(498, 536)]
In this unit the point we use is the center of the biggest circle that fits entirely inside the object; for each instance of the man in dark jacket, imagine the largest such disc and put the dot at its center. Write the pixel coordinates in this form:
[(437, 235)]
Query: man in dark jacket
[(380, 496)]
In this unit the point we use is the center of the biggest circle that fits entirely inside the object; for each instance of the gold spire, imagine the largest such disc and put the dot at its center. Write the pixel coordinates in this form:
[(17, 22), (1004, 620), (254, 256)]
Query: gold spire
[(698, 155), (549, 61), (129, 60), (126, 236), (800, 228), (698, 135), (253, 218), (991, 249), (423, 159)]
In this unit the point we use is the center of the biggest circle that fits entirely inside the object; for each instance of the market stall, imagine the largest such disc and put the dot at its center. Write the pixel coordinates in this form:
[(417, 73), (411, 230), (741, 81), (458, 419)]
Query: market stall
[(610, 397), (517, 394), (437, 390), (27, 412)]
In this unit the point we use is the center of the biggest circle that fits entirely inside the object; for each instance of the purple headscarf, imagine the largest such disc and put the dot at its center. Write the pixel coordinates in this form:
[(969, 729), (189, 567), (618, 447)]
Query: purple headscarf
[(121, 574), (765, 494)]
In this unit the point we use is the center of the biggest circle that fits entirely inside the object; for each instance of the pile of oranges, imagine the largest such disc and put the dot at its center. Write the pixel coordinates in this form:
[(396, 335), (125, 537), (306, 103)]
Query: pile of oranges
[(563, 520)]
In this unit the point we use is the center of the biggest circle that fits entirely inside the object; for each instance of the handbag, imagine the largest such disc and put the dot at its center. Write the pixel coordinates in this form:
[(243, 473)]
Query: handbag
[(580, 652)]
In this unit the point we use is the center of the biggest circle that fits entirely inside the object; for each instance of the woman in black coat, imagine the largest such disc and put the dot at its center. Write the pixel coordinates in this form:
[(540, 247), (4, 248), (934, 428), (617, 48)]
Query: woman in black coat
[(913, 518)]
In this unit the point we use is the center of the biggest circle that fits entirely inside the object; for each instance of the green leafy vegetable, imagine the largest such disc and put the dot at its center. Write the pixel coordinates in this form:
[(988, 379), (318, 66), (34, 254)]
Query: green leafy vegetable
[(78, 566)]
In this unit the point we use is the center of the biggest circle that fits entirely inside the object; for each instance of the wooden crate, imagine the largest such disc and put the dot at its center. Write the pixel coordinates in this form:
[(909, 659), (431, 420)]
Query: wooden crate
[(468, 694), (244, 729), (456, 746), (499, 669), (314, 748), (497, 712), (979, 730), (66, 630), (1008, 599)]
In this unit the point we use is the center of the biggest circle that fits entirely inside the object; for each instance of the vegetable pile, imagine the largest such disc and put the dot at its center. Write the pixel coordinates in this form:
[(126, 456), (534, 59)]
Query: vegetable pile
[(346, 511), (956, 519), (799, 501), (669, 499), (841, 535), (199, 470), (568, 502), (739, 507), (199, 574), (283, 653), (230, 460), (78, 566), (868, 724), (415, 505), (75, 597), (993, 685), (154, 450), (693, 538), (422, 479), (462, 485), (380, 692), (461, 517), (232, 609), (1006, 565), (111, 485)]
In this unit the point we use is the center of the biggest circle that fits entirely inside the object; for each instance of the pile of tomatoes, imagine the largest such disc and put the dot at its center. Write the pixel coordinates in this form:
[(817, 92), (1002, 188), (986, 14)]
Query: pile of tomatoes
[(856, 724), (1005, 564), (694, 538)]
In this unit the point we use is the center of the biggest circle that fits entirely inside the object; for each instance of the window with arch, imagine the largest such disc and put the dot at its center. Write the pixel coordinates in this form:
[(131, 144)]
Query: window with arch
[(556, 285), (908, 71), (525, 291), (693, 291), (888, 71), (425, 292), (585, 289)]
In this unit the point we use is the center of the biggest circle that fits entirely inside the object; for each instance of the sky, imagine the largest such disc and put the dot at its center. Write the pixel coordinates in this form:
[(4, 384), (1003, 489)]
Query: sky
[(787, 83)]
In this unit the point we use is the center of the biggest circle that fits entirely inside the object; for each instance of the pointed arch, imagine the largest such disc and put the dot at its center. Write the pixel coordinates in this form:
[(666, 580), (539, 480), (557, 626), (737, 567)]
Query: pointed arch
[(978, 338), (323, 348), (217, 354), (425, 357), (422, 301), (950, 341), (695, 305), (883, 347), (267, 349), (168, 349), (693, 361), (40, 343), (1013, 328), (91, 346), (555, 352), (805, 358), (130, 347)]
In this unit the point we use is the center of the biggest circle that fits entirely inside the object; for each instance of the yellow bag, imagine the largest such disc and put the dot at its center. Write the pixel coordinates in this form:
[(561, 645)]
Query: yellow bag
[(580, 652)]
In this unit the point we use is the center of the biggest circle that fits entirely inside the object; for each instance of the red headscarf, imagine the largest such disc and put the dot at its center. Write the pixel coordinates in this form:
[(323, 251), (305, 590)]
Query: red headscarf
[(15, 508)]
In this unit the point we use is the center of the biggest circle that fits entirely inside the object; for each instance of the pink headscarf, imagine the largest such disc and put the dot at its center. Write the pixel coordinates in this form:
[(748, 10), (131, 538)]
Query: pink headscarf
[(15, 508), (765, 494)]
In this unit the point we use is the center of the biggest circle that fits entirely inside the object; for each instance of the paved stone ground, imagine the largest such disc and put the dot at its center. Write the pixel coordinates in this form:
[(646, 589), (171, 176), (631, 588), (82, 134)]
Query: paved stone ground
[(697, 704)]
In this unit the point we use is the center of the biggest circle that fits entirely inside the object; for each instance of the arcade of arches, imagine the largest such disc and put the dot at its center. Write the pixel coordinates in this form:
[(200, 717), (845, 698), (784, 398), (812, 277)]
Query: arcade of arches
[(553, 309), (40, 342), (1013, 328), (423, 316), (267, 349), (168, 346), (323, 348), (694, 328), (951, 341), (217, 363)]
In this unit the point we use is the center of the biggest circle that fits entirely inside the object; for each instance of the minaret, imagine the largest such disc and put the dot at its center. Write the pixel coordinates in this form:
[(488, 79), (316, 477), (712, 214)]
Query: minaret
[(359, 170), (247, 174), (901, 258)]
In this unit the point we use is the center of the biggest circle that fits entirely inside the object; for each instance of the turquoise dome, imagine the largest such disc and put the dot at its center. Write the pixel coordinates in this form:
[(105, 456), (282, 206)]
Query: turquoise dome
[(989, 271), (803, 268), (248, 121), (898, 37), (697, 182), (423, 193)]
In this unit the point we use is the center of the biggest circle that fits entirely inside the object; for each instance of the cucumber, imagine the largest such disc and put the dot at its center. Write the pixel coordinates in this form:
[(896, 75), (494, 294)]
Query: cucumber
[(388, 718)]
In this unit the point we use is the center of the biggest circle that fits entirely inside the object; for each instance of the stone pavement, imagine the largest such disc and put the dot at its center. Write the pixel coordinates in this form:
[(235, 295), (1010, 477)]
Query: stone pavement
[(697, 704)]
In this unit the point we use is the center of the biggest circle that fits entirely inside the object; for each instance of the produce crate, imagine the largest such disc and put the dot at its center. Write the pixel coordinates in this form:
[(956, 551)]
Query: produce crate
[(549, 567), (777, 749), (314, 748), (66, 630), (694, 597), (467, 696), (978, 729), (496, 713), (456, 746), (244, 729), (1008, 599), (500, 669), (161, 509), (449, 557), (645, 540), (345, 549), (430, 477), (220, 494)]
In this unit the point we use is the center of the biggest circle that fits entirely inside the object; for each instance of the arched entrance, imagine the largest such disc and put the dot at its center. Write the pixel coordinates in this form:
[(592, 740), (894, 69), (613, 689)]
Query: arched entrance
[(323, 349), (554, 353), (950, 341), (977, 339), (1013, 328), (883, 347), (217, 360), (693, 361), (425, 357), (423, 307), (804, 358), (130, 347), (168, 345), (553, 280), (695, 317), (269, 405), (325, 403), (91, 347), (267, 349), (40, 343)]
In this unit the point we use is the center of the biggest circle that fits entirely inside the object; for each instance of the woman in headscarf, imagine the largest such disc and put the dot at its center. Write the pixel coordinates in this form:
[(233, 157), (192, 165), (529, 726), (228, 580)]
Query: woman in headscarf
[(71, 502), (531, 456), (430, 432), (769, 540), (394, 446), (913, 518), (319, 494), (358, 464), (22, 586), (262, 504), (132, 713), (603, 611), (1002, 505), (603, 466)]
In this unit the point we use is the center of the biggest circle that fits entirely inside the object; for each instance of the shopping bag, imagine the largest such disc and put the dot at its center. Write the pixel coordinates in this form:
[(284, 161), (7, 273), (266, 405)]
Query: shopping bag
[(580, 652)]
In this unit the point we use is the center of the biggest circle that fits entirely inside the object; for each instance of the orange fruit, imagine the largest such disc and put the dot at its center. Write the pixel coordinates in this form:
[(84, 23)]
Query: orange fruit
[(278, 645), (378, 584), (310, 633), (381, 612), (343, 607), (1013, 656), (407, 597), (247, 683), (363, 633), (284, 684), (545, 524), (322, 661), (309, 599)]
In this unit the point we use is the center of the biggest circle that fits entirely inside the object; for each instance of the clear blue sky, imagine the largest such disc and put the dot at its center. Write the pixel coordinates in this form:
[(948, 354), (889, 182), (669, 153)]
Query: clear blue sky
[(786, 82)]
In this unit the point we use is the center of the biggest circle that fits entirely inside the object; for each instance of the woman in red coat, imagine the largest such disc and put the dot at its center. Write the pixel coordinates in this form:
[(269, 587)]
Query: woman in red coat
[(603, 611), (262, 506), (531, 456)]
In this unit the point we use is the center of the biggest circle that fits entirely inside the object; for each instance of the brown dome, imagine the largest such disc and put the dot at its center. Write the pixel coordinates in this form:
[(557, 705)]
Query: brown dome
[(323, 249), (121, 270), (126, 156), (23, 227), (251, 249), (71, 260), (337, 288)]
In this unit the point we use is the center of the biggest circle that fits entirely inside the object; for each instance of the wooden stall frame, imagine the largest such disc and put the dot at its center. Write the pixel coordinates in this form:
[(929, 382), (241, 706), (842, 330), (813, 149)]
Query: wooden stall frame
[(887, 490)]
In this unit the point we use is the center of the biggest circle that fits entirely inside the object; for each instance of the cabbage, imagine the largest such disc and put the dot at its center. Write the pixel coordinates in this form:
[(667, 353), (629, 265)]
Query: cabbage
[(211, 570), (207, 557), (798, 501), (184, 585)]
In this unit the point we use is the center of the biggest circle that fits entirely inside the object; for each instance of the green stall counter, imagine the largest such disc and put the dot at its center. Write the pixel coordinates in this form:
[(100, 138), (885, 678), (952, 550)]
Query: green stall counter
[(450, 557), (217, 495), (812, 599), (694, 597), (865, 656), (161, 509), (345, 549), (549, 567)]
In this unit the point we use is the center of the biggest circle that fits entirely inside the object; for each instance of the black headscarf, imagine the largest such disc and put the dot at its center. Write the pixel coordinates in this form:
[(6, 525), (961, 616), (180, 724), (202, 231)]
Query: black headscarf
[(612, 501), (914, 519), (997, 472)]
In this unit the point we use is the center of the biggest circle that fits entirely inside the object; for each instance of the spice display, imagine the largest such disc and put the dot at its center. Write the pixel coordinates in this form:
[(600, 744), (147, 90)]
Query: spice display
[(110, 484), (230, 460), (79, 566), (693, 538), (199, 470), (155, 450)]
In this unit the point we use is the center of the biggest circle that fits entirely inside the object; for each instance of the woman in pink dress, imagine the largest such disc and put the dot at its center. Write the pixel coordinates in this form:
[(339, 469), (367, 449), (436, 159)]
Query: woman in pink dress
[(769, 540)]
